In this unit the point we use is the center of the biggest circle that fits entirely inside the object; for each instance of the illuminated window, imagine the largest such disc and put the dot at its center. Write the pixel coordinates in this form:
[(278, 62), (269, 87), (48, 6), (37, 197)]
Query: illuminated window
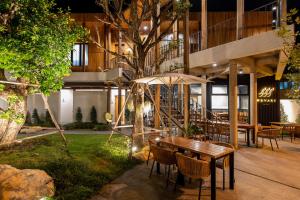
[(79, 55)]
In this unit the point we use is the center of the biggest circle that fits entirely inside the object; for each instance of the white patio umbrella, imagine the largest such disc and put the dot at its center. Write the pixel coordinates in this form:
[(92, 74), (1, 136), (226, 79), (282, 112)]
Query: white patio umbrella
[(170, 79)]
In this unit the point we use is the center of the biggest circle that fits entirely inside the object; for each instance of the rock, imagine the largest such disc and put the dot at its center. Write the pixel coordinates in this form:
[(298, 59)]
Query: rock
[(29, 184)]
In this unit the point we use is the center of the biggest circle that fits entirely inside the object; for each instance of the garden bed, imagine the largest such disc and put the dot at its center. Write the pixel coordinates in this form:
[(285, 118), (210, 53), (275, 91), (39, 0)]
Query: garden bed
[(79, 170)]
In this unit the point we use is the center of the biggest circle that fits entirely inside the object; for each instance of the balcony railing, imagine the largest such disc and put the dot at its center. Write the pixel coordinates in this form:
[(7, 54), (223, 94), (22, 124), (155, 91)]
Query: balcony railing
[(258, 20)]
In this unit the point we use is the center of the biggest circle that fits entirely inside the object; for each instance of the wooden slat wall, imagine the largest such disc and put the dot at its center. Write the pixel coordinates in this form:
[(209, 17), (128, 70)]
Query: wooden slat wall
[(218, 33)]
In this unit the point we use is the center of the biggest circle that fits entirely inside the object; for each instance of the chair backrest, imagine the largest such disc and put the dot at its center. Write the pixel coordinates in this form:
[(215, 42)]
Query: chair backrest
[(163, 155), (226, 158), (270, 133), (290, 128), (191, 167)]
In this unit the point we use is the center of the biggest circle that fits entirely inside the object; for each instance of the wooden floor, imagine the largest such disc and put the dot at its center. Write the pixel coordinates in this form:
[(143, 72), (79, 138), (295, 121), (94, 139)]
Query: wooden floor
[(261, 174)]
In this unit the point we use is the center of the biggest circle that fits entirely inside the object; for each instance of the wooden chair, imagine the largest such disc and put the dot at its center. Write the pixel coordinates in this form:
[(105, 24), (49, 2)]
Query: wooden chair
[(291, 130), (223, 163), (192, 168), (163, 156), (152, 141), (224, 130), (270, 133)]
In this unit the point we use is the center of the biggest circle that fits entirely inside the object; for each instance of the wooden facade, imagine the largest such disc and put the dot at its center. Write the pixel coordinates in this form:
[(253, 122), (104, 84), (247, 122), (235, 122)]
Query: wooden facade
[(221, 29)]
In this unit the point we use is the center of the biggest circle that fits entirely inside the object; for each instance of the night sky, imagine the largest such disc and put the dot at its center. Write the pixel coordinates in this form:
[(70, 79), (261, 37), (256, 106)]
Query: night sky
[(213, 5)]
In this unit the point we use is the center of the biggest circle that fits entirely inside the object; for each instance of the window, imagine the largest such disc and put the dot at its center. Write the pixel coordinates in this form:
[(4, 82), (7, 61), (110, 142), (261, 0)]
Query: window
[(219, 89), (219, 97), (79, 55)]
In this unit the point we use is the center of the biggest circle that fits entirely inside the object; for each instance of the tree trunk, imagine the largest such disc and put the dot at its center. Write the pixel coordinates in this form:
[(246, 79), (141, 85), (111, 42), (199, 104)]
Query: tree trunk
[(138, 134), (9, 129)]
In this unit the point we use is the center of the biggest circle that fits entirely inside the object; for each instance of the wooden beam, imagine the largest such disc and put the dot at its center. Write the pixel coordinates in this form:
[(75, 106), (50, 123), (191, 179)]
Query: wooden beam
[(268, 71), (283, 59)]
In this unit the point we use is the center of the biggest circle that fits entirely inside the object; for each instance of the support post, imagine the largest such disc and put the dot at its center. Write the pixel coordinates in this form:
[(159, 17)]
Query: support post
[(157, 71), (253, 102), (157, 105), (239, 19), (233, 114), (186, 62), (107, 45), (203, 98), (203, 24), (282, 9)]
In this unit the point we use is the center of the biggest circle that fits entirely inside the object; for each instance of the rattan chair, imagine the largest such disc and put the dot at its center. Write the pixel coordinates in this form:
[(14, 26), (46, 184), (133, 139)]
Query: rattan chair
[(291, 130), (223, 163), (152, 141), (192, 168), (163, 156), (271, 134), (224, 131)]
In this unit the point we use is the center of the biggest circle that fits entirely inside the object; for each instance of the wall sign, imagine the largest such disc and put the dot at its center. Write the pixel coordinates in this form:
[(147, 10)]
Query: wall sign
[(266, 95)]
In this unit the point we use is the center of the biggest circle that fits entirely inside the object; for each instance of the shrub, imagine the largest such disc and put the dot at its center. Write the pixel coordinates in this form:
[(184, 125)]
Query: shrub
[(101, 127), (35, 118), (78, 115), (93, 115), (79, 125), (28, 118), (48, 120)]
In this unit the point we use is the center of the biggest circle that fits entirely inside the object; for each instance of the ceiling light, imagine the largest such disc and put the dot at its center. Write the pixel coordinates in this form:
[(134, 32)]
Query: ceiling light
[(215, 64), (274, 8), (241, 71), (145, 28), (273, 21), (134, 149)]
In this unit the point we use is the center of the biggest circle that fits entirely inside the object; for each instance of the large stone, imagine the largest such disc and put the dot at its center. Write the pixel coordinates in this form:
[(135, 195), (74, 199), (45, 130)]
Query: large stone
[(29, 184)]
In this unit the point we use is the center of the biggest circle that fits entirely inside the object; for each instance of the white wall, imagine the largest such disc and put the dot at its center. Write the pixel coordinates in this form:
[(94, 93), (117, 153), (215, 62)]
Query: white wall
[(36, 101), (86, 99), (291, 108), (66, 106)]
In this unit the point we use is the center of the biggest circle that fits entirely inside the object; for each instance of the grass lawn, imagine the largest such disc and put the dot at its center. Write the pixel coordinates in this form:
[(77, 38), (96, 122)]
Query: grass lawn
[(79, 170)]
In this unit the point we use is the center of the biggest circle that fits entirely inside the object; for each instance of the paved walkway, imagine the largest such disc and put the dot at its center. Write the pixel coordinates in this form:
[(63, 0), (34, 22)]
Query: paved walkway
[(261, 174)]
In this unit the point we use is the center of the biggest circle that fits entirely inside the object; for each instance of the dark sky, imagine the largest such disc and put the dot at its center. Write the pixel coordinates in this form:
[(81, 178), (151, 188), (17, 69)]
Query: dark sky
[(213, 5)]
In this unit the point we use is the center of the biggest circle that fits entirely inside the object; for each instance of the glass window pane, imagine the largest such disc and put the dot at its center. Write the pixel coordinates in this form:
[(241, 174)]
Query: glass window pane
[(195, 89), (219, 102), (86, 55), (243, 89), (244, 102), (219, 89), (76, 55)]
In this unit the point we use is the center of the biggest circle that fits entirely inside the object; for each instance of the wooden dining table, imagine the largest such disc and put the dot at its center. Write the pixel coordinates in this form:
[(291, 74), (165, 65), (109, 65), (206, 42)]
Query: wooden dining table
[(200, 148), (248, 128)]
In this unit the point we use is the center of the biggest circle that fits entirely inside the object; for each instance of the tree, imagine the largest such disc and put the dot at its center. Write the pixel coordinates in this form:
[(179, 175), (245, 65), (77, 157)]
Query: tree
[(283, 115), (94, 115), (48, 120), (78, 115), (36, 39), (128, 17), (292, 51), (35, 117)]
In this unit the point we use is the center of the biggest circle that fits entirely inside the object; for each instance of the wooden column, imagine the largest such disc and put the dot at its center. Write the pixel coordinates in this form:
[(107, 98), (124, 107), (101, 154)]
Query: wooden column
[(233, 112), (186, 63), (239, 19), (283, 11), (176, 32), (203, 98), (253, 100), (120, 51), (157, 71), (107, 45), (203, 24)]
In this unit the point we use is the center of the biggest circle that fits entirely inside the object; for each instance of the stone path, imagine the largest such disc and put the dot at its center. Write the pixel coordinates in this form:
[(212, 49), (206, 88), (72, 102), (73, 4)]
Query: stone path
[(261, 174)]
